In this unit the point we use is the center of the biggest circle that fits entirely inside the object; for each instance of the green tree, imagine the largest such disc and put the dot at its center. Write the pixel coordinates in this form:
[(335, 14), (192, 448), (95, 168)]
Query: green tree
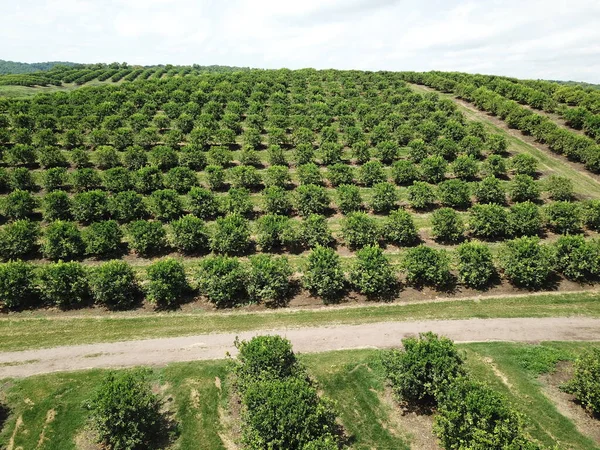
[(166, 283), (269, 278), (189, 235), (146, 237), (526, 262), (371, 273), (426, 266), (64, 284), (62, 240), (222, 280), (114, 285), (447, 225), (17, 287), (475, 265), (324, 276), (231, 235)]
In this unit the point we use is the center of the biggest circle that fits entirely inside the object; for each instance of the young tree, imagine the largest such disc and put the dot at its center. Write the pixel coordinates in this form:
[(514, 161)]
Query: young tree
[(523, 188), (165, 205), (563, 217), (64, 284), (489, 190), (114, 285), (399, 228), (237, 201), (127, 206), (525, 219), (324, 276), (384, 197), (311, 199), (349, 198), (90, 206), (585, 384), (222, 280), (269, 278), (371, 173), (454, 193), (526, 262), (277, 201), (447, 225), (433, 169), (56, 205), (167, 283), (475, 265), (19, 204), (102, 238), (372, 274), (421, 195), (272, 231), (576, 258), (465, 168), (147, 237), (360, 229), (405, 172), (426, 266), (231, 235), (314, 231), (189, 235), (16, 284), (559, 188), (62, 240), (18, 239)]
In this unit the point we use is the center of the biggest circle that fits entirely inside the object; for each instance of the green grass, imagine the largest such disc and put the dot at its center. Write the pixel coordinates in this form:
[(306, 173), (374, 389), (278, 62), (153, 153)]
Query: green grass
[(22, 332), (520, 364), (584, 184), (354, 380)]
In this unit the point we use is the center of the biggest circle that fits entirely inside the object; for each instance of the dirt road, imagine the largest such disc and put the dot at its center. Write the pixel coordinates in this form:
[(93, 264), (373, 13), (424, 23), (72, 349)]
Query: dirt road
[(310, 339)]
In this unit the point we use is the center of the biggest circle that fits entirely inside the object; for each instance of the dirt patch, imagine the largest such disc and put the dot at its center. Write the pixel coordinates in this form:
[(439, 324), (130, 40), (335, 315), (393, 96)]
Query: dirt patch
[(490, 362), (230, 417), (87, 439), (416, 426), (566, 404), (50, 416), (11, 442), (195, 398), (218, 383)]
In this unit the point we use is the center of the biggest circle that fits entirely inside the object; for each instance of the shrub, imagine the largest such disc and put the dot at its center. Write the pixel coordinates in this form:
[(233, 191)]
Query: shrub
[(399, 228), (192, 157), (277, 201), (189, 235), (135, 157), (277, 176), (106, 157), (311, 199), (85, 180), (339, 174), (231, 235), (563, 217), (147, 237), (372, 274), (90, 206), (360, 229), (324, 276), (421, 195), (126, 412), (489, 190), (268, 278), (18, 239), (117, 179), (215, 177), (166, 283), (475, 265), (496, 144), (222, 280), (495, 166), (371, 173), (180, 179), (454, 193), (102, 238), (163, 157), (305, 154), (203, 203), (22, 178), (272, 231), (114, 285), (309, 174), (361, 152), (559, 188), (585, 384), (404, 172), (590, 214), (523, 188), (16, 284), (465, 168), (387, 151), (423, 368), (244, 177), (524, 164), (148, 180), (64, 284), (349, 198), (54, 178), (576, 258), (127, 206), (426, 266), (19, 205), (488, 221), (62, 240), (165, 205), (433, 169), (331, 153), (472, 146), (526, 262), (56, 205), (472, 415), (314, 231), (250, 157), (276, 156), (447, 225), (237, 201), (524, 219), (384, 197)]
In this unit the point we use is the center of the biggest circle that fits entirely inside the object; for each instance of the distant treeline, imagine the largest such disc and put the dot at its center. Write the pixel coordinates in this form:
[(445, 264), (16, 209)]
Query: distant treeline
[(12, 67)]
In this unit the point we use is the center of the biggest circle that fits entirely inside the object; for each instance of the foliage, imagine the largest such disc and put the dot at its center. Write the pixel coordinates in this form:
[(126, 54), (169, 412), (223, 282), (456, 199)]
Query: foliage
[(16, 284), (114, 285), (559, 188), (523, 188), (372, 274), (125, 411), (563, 217), (18, 239), (277, 201), (489, 190), (102, 238), (189, 234), (311, 199), (424, 367), (167, 283), (315, 231), (433, 169), (231, 235), (146, 237), (268, 278), (19, 204), (349, 198), (524, 164), (405, 172), (426, 266), (526, 262), (488, 221), (222, 280), (126, 206), (360, 229), (421, 195), (475, 265), (399, 228), (576, 258), (90, 206), (56, 205), (63, 284), (585, 384), (371, 173), (62, 240), (447, 225), (454, 193), (324, 275), (165, 205)]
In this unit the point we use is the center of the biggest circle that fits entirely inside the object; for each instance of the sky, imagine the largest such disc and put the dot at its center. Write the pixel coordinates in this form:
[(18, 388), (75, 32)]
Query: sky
[(547, 39)]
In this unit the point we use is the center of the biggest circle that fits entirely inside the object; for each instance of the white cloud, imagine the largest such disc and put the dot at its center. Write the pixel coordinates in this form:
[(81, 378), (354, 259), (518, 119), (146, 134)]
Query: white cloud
[(533, 38)]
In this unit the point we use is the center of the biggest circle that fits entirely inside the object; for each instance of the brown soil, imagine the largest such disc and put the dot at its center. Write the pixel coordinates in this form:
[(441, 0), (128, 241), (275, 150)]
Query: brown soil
[(566, 403), (231, 419)]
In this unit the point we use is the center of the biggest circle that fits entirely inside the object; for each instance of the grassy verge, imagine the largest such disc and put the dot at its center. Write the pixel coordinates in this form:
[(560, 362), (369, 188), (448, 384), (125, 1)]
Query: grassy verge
[(25, 333), (197, 392)]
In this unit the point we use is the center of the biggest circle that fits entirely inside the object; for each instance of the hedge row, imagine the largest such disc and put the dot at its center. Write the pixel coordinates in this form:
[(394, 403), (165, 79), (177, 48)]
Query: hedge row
[(228, 281), (281, 406), (430, 372)]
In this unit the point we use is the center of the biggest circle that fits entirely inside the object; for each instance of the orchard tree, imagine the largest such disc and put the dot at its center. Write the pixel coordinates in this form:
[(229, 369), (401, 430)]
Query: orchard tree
[(475, 265), (222, 280), (426, 266), (324, 276), (527, 262), (372, 274)]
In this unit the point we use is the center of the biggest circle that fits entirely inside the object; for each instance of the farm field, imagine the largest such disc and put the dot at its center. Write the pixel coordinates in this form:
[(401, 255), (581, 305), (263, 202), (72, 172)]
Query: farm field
[(47, 410)]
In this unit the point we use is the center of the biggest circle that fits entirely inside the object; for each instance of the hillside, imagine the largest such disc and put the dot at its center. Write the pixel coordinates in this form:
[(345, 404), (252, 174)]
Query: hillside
[(13, 67)]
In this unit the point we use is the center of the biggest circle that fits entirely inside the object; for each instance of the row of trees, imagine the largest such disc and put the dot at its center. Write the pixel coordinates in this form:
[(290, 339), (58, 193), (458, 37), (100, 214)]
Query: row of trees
[(281, 406), (227, 281), (430, 372)]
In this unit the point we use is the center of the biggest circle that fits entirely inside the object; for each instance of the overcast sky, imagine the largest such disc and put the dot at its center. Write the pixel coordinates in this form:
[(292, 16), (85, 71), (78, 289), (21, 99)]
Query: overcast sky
[(549, 39)]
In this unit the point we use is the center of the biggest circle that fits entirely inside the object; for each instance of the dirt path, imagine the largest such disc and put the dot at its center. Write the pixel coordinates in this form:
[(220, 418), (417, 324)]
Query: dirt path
[(310, 339)]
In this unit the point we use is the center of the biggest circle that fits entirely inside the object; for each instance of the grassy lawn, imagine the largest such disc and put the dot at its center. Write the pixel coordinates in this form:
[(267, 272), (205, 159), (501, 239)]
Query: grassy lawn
[(19, 333), (197, 394)]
